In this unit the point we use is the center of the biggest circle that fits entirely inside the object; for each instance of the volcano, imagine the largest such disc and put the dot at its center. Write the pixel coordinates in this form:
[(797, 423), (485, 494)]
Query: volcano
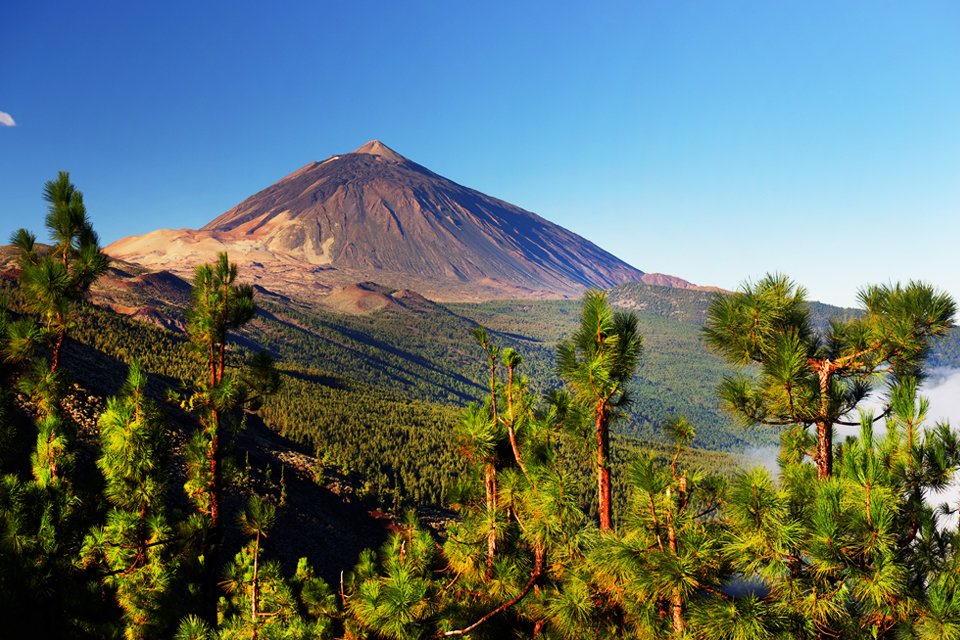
[(374, 215)]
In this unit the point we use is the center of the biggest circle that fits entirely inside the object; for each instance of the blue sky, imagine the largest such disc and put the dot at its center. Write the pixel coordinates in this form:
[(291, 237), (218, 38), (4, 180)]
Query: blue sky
[(715, 141)]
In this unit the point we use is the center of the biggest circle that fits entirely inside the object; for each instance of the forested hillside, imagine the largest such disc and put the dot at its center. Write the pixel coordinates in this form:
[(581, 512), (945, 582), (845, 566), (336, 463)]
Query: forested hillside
[(380, 392), (228, 473), (681, 516), (361, 421)]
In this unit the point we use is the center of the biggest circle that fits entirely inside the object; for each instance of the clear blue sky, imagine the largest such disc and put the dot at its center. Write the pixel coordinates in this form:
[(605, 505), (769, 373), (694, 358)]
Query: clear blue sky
[(715, 141)]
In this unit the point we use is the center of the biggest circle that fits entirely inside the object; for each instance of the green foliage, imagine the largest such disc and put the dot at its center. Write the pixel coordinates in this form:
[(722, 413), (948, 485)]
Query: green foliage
[(603, 353), (805, 376), (678, 375), (41, 514), (667, 555), (134, 549), (405, 449), (219, 305), (395, 603), (551, 571), (859, 555), (219, 400), (597, 363), (699, 548), (259, 601), (55, 281)]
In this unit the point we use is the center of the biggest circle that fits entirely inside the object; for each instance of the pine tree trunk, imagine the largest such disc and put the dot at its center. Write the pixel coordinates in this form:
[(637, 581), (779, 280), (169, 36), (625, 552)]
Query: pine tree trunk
[(213, 368), (213, 540), (603, 471), (676, 599), (824, 449), (824, 424), (516, 449), (254, 596), (490, 482), (676, 605), (57, 346), (213, 458), (512, 418)]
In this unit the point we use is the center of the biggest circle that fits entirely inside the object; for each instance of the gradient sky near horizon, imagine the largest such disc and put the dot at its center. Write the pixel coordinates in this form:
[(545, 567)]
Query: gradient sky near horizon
[(715, 141)]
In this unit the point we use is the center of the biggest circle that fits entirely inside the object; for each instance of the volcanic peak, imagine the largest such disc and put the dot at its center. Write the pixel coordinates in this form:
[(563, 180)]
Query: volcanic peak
[(372, 214), (377, 148)]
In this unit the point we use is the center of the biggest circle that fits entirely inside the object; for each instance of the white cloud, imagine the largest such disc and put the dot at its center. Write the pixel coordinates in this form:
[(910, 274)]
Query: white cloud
[(6, 120)]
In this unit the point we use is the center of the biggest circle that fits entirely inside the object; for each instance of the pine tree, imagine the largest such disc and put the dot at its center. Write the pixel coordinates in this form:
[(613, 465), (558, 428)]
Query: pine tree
[(479, 436), (54, 282), (665, 562), (538, 531), (518, 409), (856, 555), (220, 305), (481, 432), (413, 589), (41, 519), (398, 598), (134, 546), (597, 363), (810, 377), (260, 602), (255, 521)]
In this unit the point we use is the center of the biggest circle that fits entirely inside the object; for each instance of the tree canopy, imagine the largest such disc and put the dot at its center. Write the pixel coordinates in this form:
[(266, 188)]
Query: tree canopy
[(802, 375)]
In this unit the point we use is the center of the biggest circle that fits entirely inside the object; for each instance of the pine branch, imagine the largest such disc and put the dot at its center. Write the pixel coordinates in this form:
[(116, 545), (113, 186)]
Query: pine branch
[(534, 576)]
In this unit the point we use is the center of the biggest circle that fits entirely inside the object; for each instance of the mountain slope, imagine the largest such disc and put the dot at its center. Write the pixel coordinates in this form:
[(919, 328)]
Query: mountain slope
[(373, 215)]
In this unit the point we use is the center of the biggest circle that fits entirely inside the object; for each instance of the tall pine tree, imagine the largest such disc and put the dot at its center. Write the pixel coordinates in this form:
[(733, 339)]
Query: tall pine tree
[(221, 396), (134, 550), (811, 376), (597, 363)]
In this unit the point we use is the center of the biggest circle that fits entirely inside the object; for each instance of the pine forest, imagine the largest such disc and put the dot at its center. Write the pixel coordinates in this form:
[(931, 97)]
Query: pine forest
[(242, 465)]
